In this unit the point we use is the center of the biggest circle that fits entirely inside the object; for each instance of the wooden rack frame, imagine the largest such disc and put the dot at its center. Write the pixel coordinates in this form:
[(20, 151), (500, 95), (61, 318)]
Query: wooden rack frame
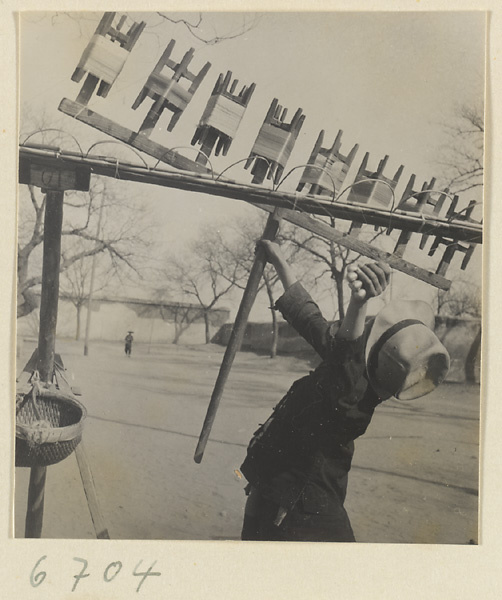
[(261, 197)]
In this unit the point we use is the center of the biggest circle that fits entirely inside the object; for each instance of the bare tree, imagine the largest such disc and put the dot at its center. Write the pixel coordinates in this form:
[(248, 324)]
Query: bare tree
[(74, 287), (461, 158), (198, 277), (199, 25), (461, 300), (124, 237), (75, 284), (181, 314)]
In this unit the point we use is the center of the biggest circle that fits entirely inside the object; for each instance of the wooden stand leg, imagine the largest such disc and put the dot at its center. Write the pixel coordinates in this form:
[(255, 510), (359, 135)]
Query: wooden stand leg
[(46, 340), (35, 511), (238, 331), (90, 493)]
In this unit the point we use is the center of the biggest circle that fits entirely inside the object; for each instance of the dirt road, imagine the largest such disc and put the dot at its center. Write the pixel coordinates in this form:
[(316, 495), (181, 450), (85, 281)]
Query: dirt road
[(415, 474)]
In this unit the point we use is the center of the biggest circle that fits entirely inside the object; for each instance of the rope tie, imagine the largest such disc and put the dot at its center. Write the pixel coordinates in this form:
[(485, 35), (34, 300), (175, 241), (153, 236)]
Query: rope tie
[(423, 221)]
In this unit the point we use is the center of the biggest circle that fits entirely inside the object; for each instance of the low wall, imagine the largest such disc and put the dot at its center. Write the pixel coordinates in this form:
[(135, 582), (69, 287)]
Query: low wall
[(112, 319), (457, 335)]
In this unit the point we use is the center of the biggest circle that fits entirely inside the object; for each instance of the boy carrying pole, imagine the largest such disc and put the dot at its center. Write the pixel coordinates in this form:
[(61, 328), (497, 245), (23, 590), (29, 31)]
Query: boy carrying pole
[(298, 461)]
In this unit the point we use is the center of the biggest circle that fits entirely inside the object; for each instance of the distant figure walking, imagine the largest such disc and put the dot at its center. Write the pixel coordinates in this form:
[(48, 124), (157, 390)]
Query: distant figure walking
[(128, 343)]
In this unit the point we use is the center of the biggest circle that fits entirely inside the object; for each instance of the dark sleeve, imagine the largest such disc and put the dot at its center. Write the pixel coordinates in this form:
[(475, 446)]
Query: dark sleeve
[(302, 313)]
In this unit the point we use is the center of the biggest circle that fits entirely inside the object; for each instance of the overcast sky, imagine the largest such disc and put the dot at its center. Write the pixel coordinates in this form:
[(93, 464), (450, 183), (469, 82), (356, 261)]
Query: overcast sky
[(386, 79)]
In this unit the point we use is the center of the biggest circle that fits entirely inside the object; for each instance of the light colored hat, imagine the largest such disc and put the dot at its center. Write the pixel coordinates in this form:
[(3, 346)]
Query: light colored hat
[(404, 358)]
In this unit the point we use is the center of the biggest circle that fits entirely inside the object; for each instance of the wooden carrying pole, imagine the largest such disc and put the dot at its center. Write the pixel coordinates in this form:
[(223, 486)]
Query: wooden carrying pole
[(46, 341), (238, 331)]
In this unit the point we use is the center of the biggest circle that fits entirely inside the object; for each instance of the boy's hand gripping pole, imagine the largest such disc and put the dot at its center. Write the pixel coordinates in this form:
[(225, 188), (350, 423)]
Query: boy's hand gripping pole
[(238, 331)]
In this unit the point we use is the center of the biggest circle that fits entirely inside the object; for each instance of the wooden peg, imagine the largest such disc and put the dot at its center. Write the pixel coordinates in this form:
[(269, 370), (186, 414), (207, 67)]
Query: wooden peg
[(274, 143), (329, 167), (168, 90), (105, 56), (222, 116)]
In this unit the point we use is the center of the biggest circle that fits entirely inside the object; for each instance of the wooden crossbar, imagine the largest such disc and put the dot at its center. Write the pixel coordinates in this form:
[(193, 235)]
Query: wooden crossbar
[(459, 230), (355, 244), (136, 140), (267, 200)]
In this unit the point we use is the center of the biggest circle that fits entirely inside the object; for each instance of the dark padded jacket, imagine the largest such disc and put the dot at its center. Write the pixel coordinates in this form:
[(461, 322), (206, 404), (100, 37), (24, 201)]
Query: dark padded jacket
[(305, 448)]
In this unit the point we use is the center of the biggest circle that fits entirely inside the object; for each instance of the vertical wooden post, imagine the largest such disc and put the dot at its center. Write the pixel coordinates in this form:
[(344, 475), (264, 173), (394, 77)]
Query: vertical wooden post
[(238, 331), (46, 341)]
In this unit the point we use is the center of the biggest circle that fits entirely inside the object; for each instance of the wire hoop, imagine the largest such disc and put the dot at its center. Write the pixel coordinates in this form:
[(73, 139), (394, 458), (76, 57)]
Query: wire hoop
[(118, 144), (313, 167), (54, 129)]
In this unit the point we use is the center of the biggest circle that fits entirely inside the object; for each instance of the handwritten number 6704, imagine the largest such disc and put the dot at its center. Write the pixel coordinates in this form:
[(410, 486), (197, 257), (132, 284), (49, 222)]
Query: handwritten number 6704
[(38, 576)]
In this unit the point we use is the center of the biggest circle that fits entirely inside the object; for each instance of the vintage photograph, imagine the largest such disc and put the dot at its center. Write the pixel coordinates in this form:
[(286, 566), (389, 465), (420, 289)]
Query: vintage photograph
[(249, 276)]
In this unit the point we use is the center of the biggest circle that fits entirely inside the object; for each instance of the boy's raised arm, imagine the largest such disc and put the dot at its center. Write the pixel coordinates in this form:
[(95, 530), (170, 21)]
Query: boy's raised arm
[(365, 282), (276, 258)]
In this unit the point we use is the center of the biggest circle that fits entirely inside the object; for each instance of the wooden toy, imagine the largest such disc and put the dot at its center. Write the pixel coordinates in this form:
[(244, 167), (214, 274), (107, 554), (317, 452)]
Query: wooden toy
[(411, 202), (165, 86), (274, 143), (366, 188), (105, 55), (222, 116), (326, 166), (372, 188), (434, 206), (453, 246)]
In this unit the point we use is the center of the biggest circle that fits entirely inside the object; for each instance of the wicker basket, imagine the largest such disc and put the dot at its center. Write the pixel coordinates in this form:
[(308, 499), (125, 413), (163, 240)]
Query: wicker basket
[(48, 427)]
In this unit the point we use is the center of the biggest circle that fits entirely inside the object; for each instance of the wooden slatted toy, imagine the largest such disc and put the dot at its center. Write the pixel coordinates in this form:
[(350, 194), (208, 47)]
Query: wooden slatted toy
[(372, 188), (166, 87), (274, 143), (329, 166), (434, 207), (368, 189), (105, 55), (453, 246), (412, 202), (222, 116)]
